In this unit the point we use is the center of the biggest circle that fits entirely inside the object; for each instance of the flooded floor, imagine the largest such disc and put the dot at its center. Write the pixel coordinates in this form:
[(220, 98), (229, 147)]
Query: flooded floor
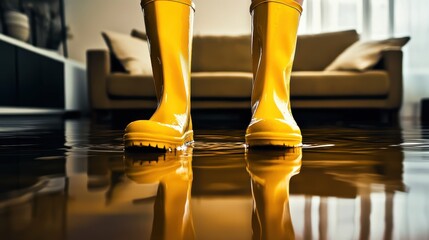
[(72, 180)]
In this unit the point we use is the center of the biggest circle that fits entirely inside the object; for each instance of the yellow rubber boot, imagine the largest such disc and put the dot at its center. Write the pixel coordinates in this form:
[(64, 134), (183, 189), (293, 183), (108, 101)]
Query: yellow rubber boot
[(172, 172), (169, 30), (271, 172), (274, 33)]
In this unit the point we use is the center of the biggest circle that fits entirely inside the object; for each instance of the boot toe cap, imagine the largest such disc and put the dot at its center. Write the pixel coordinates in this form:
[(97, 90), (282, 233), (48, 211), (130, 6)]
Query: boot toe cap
[(273, 132), (273, 125), (152, 127)]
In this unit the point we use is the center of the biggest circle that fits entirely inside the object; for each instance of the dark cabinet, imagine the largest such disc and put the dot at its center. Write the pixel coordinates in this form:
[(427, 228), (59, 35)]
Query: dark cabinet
[(8, 88), (29, 79)]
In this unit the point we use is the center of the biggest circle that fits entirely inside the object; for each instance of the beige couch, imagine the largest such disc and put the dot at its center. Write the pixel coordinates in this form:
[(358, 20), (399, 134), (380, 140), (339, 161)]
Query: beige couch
[(221, 77)]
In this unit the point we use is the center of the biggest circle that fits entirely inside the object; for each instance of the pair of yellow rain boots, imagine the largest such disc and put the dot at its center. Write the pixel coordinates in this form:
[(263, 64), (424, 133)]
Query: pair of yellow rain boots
[(169, 30)]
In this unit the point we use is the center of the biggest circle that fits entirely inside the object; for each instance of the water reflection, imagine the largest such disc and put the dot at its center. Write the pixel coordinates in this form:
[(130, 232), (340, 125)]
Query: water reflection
[(70, 181), (32, 179), (271, 172), (172, 172), (348, 191)]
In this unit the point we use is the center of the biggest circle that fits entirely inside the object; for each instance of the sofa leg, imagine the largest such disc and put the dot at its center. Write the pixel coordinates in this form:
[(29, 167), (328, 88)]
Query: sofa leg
[(100, 115), (93, 116), (384, 117), (390, 117), (394, 117)]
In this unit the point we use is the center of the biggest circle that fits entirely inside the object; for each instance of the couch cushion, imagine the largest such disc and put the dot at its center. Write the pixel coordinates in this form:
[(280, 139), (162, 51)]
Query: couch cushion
[(204, 85), (316, 52), (221, 85), (221, 53), (133, 53), (363, 55), (238, 85), (122, 85), (339, 84)]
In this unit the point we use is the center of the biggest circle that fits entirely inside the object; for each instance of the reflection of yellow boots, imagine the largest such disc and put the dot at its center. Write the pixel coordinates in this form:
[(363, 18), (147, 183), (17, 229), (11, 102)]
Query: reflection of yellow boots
[(173, 172), (275, 26), (271, 173), (169, 31)]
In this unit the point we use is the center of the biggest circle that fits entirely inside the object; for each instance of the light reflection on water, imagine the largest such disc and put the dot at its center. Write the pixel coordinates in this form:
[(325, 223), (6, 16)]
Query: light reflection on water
[(72, 180)]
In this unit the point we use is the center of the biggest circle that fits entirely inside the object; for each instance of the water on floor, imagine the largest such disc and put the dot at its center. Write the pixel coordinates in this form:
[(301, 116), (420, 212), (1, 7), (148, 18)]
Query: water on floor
[(72, 180)]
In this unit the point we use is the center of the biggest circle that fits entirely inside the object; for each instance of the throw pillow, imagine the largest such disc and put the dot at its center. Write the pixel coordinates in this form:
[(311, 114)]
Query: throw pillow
[(131, 52), (363, 55)]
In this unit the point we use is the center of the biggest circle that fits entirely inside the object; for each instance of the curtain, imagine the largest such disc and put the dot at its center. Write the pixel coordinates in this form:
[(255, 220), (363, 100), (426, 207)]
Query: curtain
[(379, 19)]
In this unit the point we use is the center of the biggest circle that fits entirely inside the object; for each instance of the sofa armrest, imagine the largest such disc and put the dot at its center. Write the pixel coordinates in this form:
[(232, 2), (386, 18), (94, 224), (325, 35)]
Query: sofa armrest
[(98, 67), (391, 61)]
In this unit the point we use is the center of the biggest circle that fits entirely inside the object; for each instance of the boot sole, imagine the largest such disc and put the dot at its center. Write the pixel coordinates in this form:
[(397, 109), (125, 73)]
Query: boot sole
[(144, 140), (262, 139)]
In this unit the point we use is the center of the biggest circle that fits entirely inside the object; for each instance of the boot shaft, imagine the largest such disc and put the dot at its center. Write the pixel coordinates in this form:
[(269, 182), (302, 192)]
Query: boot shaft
[(169, 30), (274, 34)]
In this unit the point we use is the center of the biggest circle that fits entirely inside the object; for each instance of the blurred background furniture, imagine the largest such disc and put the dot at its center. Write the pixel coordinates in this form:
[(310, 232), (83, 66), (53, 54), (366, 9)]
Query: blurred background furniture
[(425, 111), (30, 77), (38, 22), (222, 74)]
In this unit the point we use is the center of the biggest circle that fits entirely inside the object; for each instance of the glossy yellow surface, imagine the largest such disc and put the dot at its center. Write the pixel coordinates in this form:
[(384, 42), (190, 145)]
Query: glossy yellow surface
[(169, 31), (173, 174), (271, 173), (275, 26)]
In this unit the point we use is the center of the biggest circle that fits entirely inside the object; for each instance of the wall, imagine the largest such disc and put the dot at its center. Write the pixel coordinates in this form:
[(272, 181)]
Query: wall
[(86, 19)]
